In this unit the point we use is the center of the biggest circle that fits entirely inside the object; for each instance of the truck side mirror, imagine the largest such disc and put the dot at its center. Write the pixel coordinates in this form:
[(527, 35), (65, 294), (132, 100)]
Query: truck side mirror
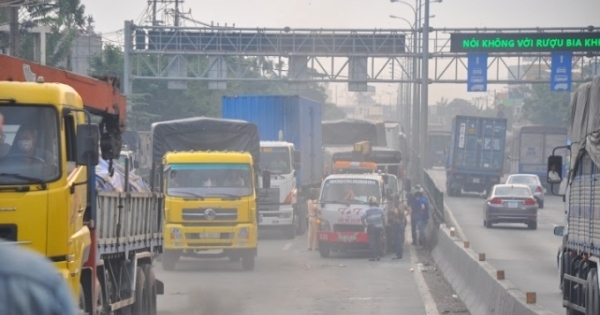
[(266, 179), (554, 169), (297, 159), (88, 145), (559, 230)]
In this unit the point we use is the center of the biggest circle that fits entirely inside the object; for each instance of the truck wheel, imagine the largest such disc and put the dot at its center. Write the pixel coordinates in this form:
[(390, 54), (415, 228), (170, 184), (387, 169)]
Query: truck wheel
[(248, 262), (290, 231), (150, 288), (488, 224), (169, 260), (82, 307), (324, 250), (592, 302), (141, 302), (532, 225)]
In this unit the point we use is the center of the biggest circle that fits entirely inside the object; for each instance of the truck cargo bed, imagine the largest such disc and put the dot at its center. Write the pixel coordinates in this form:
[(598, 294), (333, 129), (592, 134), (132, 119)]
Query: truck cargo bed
[(129, 222)]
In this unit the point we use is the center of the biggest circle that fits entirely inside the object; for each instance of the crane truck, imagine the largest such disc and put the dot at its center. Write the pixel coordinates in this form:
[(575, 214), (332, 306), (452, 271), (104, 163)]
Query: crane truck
[(579, 254), (101, 242)]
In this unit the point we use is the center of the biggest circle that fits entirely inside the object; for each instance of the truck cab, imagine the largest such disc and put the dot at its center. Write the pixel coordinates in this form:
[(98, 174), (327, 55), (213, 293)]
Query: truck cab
[(343, 199), (210, 204), (128, 156), (277, 204)]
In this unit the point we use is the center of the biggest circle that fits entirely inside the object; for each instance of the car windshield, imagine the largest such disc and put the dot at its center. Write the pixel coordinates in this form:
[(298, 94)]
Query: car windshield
[(350, 190), (209, 180), (526, 180), (28, 144), (512, 192), (276, 159)]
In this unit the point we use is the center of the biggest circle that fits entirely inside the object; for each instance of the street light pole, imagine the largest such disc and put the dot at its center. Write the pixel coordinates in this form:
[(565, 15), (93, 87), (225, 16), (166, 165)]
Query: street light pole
[(425, 88), (415, 105)]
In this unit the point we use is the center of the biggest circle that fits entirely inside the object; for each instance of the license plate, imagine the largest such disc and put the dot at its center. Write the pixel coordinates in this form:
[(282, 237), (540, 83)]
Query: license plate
[(513, 204), (347, 238), (209, 235), (476, 180)]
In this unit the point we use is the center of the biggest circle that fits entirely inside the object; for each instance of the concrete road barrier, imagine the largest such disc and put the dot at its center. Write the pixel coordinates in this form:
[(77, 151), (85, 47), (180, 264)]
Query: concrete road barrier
[(476, 282)]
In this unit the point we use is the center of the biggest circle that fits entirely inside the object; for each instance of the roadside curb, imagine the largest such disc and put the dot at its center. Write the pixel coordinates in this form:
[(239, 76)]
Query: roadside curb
[(482, 288)]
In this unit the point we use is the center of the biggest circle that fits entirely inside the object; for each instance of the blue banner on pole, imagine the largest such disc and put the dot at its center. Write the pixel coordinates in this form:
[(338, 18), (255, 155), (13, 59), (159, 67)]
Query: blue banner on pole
[(560, 74), (477, 72)]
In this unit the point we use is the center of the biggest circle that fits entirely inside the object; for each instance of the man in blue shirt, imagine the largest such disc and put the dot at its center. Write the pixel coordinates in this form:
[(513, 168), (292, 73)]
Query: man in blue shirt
[(374, 220), (420, 213), (30, 285)]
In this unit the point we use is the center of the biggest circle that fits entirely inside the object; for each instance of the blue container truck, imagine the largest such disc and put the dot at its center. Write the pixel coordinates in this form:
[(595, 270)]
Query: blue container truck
[(476, 159), (291, 136)]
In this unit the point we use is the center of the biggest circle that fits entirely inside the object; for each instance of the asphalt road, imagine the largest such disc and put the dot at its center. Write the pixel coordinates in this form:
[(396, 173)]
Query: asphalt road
[(289, 280), (528, 257)]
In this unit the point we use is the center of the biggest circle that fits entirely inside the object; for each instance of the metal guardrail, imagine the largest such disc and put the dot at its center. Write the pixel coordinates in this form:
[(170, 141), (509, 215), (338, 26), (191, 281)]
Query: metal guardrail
[(435, 196)]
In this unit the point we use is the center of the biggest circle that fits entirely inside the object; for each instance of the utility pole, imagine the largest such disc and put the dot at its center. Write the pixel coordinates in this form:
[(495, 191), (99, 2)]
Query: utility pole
[(13, 22), (414, 143), (425, 88), (176, 12), (154, 22)]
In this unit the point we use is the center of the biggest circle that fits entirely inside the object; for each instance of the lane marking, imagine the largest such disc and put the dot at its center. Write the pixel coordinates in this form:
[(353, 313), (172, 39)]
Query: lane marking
[(428, 301), (287, 246)]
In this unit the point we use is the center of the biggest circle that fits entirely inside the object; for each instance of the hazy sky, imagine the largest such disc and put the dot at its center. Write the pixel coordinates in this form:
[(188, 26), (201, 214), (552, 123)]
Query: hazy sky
[(111, 14)]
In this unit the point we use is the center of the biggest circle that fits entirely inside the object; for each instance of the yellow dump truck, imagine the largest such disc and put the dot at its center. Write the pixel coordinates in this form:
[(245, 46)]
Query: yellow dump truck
[(207, 173), (101, 242)]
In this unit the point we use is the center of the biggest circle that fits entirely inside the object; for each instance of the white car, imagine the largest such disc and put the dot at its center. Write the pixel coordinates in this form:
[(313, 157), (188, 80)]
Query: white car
[(534, 183)]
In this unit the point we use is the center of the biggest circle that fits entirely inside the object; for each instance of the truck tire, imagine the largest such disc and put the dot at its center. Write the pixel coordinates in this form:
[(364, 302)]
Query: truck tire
[(248, 262), (290, 231), (139, 307), (532, 225), (150, 288), (169, 260), (592, 302), (82, 306), (324, 250)]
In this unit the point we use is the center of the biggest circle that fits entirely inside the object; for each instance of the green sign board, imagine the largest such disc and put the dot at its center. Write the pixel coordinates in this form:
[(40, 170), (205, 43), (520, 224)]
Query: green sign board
[(524, 42)]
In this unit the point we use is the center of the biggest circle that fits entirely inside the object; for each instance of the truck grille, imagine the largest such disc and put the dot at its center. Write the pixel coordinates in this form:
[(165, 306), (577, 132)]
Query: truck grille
[(210, 214), (8, 232), (198, 236), (348, 228)]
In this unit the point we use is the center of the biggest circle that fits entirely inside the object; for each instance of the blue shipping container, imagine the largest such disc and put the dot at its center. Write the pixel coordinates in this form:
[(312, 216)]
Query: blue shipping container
[(298, 118), (477, 145)]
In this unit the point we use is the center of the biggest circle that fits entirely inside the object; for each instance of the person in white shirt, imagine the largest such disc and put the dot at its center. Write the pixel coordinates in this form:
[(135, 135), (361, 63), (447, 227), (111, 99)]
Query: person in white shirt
[(553, 175)]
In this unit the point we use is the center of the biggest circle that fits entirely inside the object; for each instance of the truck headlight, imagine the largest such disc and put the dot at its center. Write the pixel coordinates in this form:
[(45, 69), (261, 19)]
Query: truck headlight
[(324, 225), (243, 233), (176, 234)]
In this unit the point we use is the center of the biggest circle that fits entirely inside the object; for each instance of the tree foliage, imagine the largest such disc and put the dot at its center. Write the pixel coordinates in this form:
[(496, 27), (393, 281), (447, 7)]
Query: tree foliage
[(544, 107), (66, 18), (152, 101)]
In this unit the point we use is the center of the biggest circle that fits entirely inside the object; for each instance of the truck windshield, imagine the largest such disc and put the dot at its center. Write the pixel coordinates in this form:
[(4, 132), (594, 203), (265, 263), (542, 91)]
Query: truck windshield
[(209, 180), (28, 144), (350, 190), (276, 159)]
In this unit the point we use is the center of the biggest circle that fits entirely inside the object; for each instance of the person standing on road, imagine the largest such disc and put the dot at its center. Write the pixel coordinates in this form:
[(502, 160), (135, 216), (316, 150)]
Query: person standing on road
[(313, 219), (397, 218), (420, 213), (374, 220), (30, 284)]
